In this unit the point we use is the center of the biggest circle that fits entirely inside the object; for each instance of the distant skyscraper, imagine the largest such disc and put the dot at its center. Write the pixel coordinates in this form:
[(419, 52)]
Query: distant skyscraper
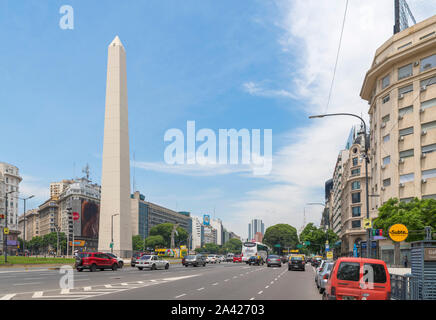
[(115, 178), (254, 227)]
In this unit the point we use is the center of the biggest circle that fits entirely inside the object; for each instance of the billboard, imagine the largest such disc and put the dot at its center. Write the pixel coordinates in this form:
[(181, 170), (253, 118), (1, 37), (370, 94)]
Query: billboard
[(206, 219), (90, 214)]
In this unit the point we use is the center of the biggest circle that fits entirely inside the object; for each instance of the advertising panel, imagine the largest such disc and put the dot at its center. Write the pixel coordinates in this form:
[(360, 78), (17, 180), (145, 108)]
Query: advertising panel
[(90, 214), (206, 219)]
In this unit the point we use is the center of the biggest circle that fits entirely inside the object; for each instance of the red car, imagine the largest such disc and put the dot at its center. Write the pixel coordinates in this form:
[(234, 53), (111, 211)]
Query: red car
[(358, 279), (237, 258), (94, 261)]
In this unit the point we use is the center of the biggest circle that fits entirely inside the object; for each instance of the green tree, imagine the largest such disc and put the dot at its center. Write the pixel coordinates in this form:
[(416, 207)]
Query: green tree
[(165, 229), (137, 243), (281, 234), (233, 245), (317, 238), (211, 248), (154, 241)]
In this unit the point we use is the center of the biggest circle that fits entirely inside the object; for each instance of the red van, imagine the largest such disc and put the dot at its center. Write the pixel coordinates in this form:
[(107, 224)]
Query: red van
[(358, 279)]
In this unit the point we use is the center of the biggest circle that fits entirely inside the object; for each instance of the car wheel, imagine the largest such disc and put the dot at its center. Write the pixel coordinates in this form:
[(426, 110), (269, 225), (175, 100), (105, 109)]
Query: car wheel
[(140, 268), (93, 268), (167, 266), (80, 270), (289, 269), (114, 267), (120, 264), (186, 265), (321, 290), (324, 296), (153, 267), (204, 264)]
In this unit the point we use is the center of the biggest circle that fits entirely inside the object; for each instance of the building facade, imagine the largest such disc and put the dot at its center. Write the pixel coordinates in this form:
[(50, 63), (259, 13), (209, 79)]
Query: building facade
[(336, 194), (56, 188), (256, 225), (9, 181), (32, 224), (400, 88)]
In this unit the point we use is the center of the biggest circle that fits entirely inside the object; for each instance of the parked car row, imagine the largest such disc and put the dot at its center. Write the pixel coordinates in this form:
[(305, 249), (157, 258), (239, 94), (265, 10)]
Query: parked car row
[(353, 279)]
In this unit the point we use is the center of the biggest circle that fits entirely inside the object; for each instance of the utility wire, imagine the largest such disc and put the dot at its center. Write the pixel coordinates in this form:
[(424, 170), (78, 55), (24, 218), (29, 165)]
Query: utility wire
[(337, 58)]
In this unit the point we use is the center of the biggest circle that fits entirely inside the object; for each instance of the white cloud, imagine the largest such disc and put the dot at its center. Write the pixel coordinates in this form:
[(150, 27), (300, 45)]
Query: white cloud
[(312, 28), (256, 89)]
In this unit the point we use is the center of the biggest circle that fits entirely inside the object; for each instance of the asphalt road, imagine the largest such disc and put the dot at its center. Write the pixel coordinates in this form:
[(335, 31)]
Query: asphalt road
[(225, 281)]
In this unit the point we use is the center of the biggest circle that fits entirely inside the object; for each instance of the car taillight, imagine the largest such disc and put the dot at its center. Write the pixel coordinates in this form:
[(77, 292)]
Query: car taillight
[(326, 276), (269, 260)]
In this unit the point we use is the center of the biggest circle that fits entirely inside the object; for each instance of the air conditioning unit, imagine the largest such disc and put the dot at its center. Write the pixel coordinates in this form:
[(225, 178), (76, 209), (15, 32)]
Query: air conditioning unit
[(423, 181), (401, 138), (421, 110), (383, 188), (401, 185), (423, 88), (383, 125), (400, 117), (383, 167), (423, 155), (401, 160), (416, 63), (401, 96), (423, 132)]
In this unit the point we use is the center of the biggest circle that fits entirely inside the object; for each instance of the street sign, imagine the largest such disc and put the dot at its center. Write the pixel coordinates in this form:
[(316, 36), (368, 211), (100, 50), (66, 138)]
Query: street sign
[(76, 216), (398, 232), (277, 245), (367, 224), (6, 230), (329, 255), (307, 243), (111, 245), (299, 246)]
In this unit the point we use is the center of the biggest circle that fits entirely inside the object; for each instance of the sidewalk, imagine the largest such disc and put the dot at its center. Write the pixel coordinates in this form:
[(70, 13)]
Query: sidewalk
[(400, 271)]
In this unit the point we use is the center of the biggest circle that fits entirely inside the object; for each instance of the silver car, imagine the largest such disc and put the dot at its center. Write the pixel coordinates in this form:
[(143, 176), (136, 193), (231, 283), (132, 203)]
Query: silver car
[(317, 270), (152, 262), (323, 276)]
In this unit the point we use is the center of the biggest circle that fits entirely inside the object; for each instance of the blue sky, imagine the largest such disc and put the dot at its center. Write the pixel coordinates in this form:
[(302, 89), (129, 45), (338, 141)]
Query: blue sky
[(225, 64)]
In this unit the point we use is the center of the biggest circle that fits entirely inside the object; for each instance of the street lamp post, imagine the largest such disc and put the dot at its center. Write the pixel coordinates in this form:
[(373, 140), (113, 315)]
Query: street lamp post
[(369, 231), (112, 232), (24, 223), (5, 236)]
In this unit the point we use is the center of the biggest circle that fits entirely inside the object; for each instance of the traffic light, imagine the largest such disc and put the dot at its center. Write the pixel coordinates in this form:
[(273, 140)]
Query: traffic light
[(2, 216), (377, 232)]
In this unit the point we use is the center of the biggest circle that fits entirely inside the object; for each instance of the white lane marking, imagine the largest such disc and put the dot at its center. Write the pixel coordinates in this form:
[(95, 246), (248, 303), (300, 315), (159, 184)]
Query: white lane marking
[(65, 291), (234, 277), (108, 286), (275, 279), (25, 284), (214, 284), (87, 288), (260, 292), (139, 281), (32, 278), (272, 282), (8, 296), (252, 298), (184, 294), (38, 294), (124, 284), (266, 287), (226, 280), (200, 289)]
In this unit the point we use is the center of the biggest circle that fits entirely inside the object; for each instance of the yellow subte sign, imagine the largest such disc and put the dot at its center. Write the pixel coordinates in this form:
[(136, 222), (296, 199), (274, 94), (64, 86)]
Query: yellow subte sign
[(398, 232), (6, 230)]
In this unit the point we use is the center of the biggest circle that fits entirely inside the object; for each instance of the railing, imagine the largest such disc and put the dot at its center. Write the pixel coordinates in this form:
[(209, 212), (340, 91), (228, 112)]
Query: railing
[(402, 287)]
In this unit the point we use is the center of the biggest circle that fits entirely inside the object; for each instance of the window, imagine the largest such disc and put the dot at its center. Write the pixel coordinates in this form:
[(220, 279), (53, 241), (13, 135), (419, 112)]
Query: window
[(405, 132), (405, 72), (429, 196), (429, 174), (355, 185), (428, 149), (385, 81), (349, 271), (428, 63), (355, 197), (356, 211), (428, 104), (428, 82), (406, 89), (405, 110), (355, 172), (386, 118), (406, 200), (355, 161), (378, 271), (406, 153), (428, 126), (384, 100), (355, 224), (386, 160), (386, 138), (387, 182), (407, 177)]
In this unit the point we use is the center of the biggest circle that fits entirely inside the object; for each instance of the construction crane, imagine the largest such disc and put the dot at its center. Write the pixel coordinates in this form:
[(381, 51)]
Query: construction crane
[(402, 15)]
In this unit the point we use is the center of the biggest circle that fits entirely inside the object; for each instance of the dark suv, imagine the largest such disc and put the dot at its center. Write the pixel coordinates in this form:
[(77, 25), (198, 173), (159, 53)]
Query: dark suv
[(94, 261), (195, 261)]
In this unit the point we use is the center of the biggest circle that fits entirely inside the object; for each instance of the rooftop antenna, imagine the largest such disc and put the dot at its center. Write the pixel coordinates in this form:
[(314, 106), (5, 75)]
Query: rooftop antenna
[(85, 170), (402, 15)]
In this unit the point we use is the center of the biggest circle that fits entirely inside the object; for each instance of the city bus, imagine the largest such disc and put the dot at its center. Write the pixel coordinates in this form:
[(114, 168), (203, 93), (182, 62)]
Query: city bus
[(250, 249)]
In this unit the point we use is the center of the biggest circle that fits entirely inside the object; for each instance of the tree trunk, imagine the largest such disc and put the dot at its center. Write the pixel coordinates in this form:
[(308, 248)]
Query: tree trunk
[(397, 254)]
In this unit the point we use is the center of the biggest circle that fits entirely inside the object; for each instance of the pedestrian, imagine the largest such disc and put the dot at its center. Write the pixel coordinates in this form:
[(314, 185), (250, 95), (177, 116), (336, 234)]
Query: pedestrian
[(405, 261)]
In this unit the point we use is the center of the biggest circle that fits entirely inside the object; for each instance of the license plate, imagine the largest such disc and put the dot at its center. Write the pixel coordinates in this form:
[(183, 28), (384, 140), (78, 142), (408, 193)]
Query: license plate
[(348, 298)]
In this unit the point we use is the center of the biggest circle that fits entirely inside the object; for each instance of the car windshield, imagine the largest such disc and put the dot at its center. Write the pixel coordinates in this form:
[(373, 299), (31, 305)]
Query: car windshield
[(273, 257), (145, 257), (190, 257), (237, 255), (296, 258)]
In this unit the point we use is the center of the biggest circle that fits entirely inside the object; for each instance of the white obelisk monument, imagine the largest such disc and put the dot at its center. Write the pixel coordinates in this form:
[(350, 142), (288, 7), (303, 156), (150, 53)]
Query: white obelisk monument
[(115, 178)]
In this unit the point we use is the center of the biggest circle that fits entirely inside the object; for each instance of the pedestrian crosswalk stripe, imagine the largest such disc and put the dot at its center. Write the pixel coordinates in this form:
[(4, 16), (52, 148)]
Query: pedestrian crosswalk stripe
[(8, 296)]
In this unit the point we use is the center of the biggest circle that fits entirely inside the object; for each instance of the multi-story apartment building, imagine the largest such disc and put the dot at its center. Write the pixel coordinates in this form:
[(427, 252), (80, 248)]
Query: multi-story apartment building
[(209, 235), (325, 218), (255, 226), (336, 193), (56, 188), (48, 214), (218, 226), (9, 181), (353, 196), (32, 224), (400, 88), (146, 215), (197, 233)]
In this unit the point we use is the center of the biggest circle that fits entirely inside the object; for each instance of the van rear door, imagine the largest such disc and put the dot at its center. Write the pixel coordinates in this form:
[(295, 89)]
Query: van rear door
[(375, 281), (348, 276)]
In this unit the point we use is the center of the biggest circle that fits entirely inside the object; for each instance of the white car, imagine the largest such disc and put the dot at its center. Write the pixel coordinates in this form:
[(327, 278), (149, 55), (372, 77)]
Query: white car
[(119, 260), (211, 259), (152, 262)]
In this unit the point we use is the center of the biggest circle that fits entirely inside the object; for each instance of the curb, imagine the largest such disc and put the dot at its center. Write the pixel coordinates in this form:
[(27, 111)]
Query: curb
[(36, 265)]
